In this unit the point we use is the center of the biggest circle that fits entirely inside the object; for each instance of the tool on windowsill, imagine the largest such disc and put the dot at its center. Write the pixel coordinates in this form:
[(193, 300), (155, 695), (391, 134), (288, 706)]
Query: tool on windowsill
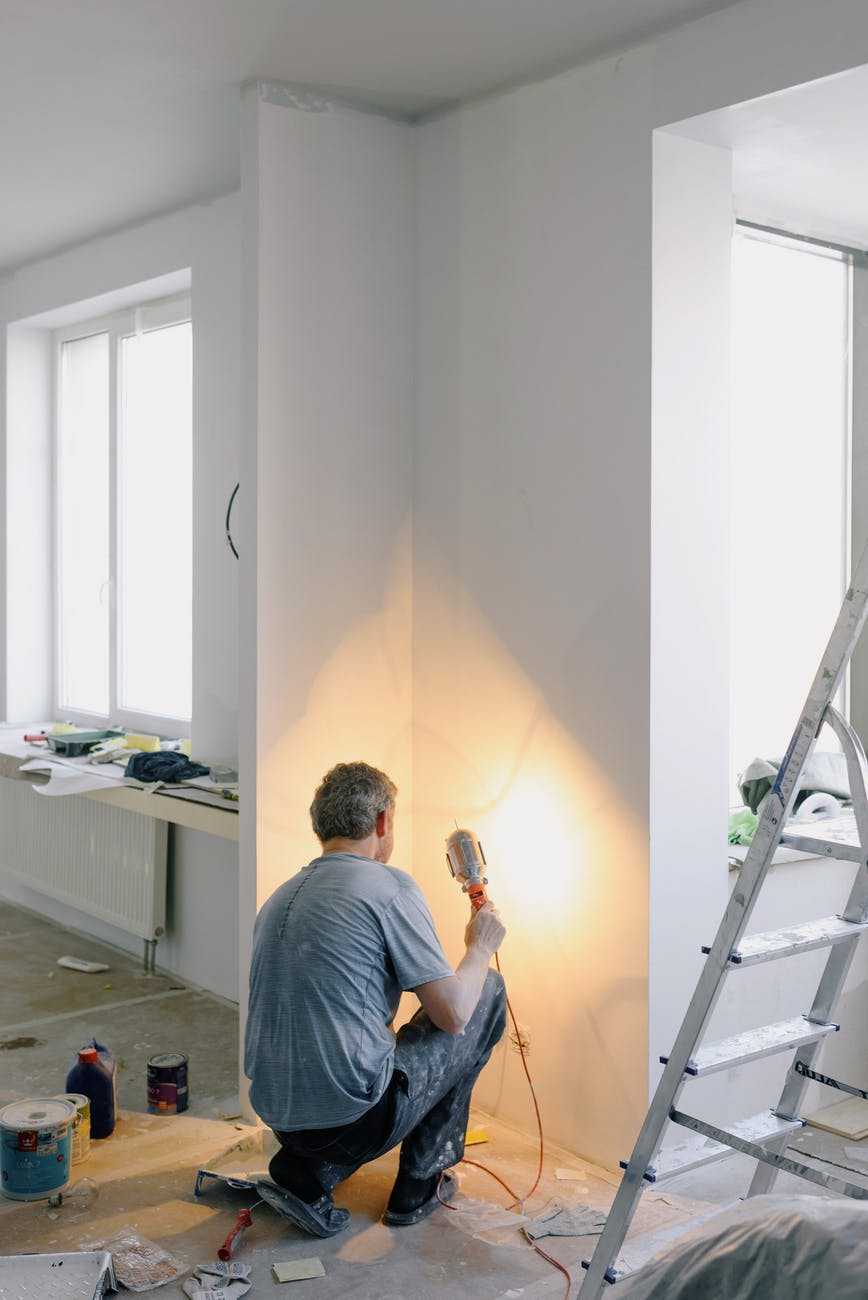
[(466, 860)]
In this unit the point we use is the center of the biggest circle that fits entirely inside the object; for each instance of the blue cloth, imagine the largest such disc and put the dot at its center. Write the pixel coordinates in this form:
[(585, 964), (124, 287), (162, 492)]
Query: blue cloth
[(333, 949), (169, 765)]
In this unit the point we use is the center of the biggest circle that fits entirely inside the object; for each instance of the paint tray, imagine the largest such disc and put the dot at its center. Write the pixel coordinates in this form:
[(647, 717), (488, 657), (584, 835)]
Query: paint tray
[(82, 1275), (72, 744), (241, 1166)]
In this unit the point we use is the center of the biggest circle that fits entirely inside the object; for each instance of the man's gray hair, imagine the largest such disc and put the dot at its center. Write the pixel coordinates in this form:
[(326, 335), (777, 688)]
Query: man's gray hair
[(348, 801)]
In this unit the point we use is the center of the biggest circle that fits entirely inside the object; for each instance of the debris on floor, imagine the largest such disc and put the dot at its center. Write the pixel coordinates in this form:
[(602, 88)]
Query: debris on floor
[(218, 1281), (139, 1263), (559, 1220)]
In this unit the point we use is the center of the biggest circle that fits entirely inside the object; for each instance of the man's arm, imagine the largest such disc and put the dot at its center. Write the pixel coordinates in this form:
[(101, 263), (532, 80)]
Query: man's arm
[(449, 1003)]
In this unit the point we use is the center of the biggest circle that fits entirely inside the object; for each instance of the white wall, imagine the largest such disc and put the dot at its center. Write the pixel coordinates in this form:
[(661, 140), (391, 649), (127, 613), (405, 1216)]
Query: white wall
[(200, 243), (543, 689), (327, 197), (692, 223), (531, 517)]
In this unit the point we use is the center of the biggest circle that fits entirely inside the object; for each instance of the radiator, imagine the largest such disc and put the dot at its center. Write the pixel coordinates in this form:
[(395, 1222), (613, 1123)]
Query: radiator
[(105, 861)]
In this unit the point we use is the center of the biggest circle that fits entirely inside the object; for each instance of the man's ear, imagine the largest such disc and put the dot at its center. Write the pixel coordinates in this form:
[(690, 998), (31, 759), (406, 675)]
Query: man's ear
[(382, 824)]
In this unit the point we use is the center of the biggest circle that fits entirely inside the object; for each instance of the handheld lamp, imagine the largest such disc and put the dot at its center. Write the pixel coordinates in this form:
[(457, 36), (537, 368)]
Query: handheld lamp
[(466, 860)]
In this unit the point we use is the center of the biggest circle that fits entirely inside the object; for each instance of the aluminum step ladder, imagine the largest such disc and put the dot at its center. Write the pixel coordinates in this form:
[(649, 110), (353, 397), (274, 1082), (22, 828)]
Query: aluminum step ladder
[(763, 1136)]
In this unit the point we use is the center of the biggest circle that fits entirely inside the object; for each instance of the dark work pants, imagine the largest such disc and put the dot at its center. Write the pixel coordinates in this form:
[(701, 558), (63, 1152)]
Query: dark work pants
[(425, 1106)]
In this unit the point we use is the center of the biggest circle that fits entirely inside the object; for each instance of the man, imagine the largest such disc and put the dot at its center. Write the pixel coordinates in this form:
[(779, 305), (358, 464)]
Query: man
[(333, 949)]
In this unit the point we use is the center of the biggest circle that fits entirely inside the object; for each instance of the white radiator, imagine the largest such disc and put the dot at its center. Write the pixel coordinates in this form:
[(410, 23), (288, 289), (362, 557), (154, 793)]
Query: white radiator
[(105, 861)]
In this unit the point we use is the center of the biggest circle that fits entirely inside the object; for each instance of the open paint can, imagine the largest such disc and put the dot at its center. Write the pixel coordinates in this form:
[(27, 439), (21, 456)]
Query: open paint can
[(35, 1147), (167, 1084)]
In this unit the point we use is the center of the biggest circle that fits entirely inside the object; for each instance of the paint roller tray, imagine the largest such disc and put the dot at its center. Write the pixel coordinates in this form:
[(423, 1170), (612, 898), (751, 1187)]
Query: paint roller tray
[(83, 1275), (74, 743)]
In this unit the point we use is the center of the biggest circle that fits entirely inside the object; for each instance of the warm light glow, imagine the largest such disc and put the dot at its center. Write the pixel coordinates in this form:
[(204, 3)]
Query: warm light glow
[(533, 850)]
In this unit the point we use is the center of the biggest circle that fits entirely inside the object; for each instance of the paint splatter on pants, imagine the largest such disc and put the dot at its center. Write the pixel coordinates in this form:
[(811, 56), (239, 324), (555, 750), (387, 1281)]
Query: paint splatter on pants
[(425, 1106)]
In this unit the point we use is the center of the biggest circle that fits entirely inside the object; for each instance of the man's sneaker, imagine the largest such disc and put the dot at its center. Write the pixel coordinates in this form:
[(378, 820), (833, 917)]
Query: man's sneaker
[(320, 1218), (444, 1189)]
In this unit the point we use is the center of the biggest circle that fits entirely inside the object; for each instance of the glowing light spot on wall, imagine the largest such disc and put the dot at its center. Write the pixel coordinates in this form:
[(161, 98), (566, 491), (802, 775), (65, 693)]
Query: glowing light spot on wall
[(533, 849)]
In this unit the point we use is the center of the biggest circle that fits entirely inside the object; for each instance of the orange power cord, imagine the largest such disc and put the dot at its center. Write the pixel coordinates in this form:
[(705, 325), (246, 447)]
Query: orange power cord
[(520, 1200)]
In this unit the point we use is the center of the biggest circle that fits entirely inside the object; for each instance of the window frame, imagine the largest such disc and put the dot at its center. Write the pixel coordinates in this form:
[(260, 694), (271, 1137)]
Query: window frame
[(118, 325)]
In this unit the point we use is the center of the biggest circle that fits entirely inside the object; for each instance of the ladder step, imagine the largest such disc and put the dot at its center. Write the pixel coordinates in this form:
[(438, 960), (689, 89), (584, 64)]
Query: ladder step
[(752, 1044), (842, 844), (734, 1140), (638, 1251), (769, 945), (697, 1151)]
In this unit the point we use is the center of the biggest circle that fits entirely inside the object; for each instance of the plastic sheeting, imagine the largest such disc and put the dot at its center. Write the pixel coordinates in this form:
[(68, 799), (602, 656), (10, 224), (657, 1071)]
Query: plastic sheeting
[(768, 1248)]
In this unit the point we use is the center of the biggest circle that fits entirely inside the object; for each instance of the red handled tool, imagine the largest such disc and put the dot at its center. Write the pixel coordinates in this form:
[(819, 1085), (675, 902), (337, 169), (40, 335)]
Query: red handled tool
[(466, 860), (227, 1250)]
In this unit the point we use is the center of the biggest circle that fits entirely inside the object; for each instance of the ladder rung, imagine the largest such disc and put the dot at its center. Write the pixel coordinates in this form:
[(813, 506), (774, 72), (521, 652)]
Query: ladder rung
[(733, 1139), (697, 1151), (769, 945), (638, 1251), (842, 849), (752, 1044)]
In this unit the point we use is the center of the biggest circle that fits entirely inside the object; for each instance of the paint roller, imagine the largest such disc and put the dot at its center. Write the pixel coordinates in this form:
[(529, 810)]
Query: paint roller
[(242, 1223), (466, 861)]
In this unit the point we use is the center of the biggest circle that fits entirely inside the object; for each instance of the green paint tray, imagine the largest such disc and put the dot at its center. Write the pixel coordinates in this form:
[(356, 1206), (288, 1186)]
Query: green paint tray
[(72, 744)]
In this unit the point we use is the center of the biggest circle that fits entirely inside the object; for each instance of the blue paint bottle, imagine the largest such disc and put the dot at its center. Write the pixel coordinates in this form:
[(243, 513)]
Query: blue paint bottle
[(93, 1073)]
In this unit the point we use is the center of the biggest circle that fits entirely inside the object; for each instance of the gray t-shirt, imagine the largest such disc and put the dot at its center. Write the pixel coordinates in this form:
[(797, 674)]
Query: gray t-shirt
[(333, 949)]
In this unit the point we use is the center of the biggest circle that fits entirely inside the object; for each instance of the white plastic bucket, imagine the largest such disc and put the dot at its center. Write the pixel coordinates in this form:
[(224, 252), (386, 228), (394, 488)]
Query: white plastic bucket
[(35, 1147)]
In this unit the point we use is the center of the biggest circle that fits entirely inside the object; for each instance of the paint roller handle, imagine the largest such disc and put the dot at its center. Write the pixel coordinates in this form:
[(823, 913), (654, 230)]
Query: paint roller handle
[(227, 1250)]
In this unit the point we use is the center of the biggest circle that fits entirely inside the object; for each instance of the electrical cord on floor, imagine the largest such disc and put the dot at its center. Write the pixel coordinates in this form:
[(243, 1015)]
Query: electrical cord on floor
[(518, 1201)]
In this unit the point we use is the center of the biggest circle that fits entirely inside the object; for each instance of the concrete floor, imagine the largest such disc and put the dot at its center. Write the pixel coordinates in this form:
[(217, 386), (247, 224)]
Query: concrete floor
[(145, 1172)]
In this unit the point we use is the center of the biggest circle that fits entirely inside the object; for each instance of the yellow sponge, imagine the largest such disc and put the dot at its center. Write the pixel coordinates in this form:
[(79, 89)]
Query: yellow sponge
[(148, 744), (296, 1270)]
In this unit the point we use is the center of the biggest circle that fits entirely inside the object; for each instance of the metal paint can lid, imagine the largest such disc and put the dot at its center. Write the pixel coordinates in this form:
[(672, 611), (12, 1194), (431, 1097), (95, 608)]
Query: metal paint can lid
[(167, 1061), (79, 1101), (38, 1113)]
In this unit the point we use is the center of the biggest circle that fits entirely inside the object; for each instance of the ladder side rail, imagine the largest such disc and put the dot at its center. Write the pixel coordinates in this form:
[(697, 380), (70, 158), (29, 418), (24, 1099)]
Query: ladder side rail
[(778, 803), (795, 1084), (857, 772), (838, 963), (673, 1077), (776, 809)]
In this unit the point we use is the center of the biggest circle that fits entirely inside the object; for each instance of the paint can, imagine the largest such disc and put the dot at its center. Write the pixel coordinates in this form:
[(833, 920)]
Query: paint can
[(35, 1147), (80, 1146), (167, 1084)]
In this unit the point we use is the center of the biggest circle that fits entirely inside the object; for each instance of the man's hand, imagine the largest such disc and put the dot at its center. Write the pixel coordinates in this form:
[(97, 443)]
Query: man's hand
[(450, 1002), (485, 930)]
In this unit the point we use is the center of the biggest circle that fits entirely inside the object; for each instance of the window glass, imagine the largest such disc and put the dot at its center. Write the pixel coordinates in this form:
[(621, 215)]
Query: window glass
[(82, 524), (155, 523), (124, 592), (789, 483)]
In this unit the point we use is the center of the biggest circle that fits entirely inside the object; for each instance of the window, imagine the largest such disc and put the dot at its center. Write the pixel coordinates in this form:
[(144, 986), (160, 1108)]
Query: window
[(792, 309), (123, 528)]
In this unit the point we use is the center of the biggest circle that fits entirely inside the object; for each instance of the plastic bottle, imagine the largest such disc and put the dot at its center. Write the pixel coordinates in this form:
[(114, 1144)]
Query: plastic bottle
[(93, 1073)]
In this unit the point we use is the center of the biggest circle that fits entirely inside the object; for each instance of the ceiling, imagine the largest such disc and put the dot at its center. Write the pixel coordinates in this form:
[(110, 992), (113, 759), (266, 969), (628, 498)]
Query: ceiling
[(800, 157), (115, 110), (112, 111)]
